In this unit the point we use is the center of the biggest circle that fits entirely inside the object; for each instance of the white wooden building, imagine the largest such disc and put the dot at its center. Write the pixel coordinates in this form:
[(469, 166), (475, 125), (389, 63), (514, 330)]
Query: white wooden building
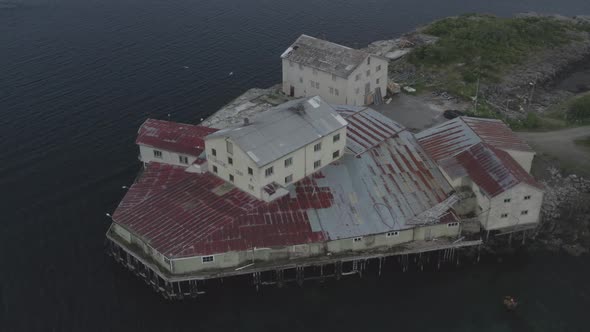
[(278, 147), (487, 157), (338, 74)]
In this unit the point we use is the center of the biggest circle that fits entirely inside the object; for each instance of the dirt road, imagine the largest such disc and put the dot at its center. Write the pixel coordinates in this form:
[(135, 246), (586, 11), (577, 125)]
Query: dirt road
[(560, 145)]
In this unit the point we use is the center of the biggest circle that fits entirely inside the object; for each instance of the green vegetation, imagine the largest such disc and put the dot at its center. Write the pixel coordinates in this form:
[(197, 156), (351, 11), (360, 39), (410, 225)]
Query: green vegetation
[(579, 110), (583, 142), (480, 46)]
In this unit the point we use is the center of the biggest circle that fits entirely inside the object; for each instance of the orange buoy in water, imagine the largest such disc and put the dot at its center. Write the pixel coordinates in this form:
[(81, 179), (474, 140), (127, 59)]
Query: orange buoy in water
[(510, 303)]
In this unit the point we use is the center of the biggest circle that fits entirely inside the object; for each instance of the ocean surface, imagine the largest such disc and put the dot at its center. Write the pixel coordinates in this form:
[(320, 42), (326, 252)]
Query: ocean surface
[(77, 78)]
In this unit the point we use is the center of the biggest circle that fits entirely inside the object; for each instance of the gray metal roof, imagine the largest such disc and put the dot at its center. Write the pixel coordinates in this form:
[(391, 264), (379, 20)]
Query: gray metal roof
[(284, 129), (325, 56), (384, 188)]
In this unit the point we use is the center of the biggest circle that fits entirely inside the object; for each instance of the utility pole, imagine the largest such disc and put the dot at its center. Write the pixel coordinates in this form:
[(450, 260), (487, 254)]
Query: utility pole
[(477, 93), (532, 84)]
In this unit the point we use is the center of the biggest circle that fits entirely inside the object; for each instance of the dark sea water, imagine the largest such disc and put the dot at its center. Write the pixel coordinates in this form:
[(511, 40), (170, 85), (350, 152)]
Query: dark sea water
[(77, 78)]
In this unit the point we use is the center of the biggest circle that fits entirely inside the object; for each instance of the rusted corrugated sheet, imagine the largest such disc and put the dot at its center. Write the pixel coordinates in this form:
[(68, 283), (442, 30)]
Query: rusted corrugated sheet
[(455, 136), (171, 136), (492, 169), (376, 189)]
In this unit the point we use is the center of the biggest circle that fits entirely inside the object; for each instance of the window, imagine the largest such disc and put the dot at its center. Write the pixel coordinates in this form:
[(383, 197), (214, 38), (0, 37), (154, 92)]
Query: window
[(317, 147), (317, 163), (504, 215), (357, 239), (336, 154), (453, 224), (288, 161), (378, 68), (317, 85), (506, 200), (183, 159), (158, 154), (333, 77), (231, 178), (230, 147), (336, 92), (331, 90), (368, 72), (230, 161), (357, 77), (291, 64), (300, 79), (213, 152), (377, 81), (207, 259), (524, 212), (336, 138), (390, 234), (289, 179), (215, 169), (269, 171), (527, 197), (250, 171), (251, 187), (369, 60)]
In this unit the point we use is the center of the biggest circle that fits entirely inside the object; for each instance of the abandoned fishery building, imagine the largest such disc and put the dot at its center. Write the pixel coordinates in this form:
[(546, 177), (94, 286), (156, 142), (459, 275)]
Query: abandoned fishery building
[(484, 159), (304, 184)]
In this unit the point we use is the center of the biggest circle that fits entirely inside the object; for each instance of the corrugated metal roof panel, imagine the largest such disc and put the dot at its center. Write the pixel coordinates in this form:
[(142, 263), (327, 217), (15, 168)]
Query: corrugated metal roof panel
[(385, 188), (284, 129), (492, 169), (457, 135), (175, 137), (324, 55)]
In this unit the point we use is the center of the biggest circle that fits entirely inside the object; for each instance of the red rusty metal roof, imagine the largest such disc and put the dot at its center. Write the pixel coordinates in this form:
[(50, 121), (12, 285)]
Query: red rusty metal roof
[(183, 214), (175, 137), (457, 135), (492, 169)]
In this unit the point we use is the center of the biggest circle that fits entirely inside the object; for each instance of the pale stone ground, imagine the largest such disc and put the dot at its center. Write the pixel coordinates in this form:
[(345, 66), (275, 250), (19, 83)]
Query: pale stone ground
[(560, 145)]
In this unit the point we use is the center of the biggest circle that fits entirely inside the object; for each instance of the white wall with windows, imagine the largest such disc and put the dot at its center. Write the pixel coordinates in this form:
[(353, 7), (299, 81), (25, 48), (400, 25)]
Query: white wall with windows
[(238, 168), (148, 154), (519, 206), (303, 81)]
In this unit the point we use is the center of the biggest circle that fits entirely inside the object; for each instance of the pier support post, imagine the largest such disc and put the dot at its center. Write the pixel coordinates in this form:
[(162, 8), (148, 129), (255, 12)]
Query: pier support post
[(338, 270), (299, 275), (280, 278)]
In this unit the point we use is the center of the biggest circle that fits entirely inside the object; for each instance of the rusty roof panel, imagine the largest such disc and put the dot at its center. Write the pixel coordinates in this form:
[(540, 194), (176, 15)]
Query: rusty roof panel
[(457, 135), (371, 191), (492, 169), (172, 136)]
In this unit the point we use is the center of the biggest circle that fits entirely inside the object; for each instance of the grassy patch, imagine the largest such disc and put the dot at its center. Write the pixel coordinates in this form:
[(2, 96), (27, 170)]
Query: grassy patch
[(578, 111), (585, 142), (480, 46)]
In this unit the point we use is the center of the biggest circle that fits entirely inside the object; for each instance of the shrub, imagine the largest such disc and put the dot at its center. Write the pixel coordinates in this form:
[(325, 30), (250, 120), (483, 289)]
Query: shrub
[(579, 110)]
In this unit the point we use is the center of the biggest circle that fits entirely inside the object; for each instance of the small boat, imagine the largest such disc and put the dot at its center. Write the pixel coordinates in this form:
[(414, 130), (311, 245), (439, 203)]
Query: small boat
[(510, 303)]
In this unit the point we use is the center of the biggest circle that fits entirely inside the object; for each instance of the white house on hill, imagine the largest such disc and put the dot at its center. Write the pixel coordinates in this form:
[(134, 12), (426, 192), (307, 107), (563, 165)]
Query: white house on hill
[(277, 148), (338, 74)]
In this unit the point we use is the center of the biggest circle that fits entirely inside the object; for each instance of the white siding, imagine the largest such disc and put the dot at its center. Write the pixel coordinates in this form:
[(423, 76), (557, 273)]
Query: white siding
[(515, 207), (523, 158), (146, 154), (301, 78), (303, 163)]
